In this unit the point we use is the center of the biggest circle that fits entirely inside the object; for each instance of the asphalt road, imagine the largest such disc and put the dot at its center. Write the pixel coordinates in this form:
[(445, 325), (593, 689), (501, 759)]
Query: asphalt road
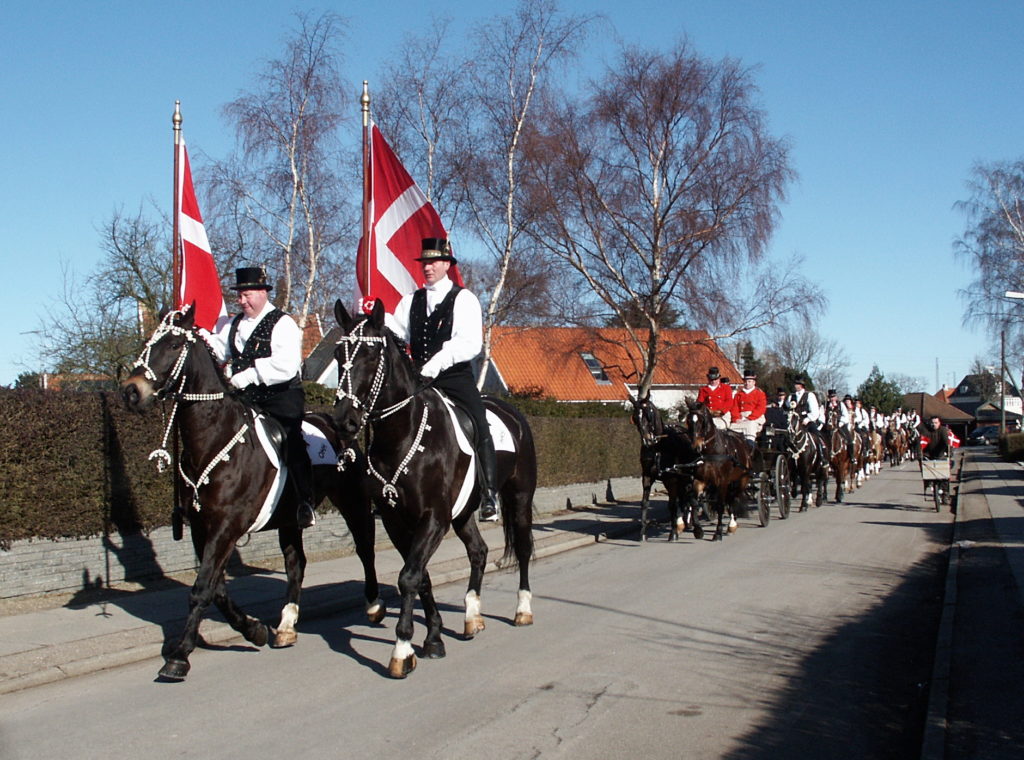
[(810, 638)]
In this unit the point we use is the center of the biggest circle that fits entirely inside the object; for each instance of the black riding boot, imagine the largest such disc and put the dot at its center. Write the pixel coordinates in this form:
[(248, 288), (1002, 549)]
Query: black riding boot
[(300, 472), (488, 497)]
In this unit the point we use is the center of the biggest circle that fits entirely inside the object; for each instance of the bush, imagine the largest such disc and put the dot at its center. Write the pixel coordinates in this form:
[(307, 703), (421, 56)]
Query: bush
[(76, 464), (548, 407), (1011, 447)]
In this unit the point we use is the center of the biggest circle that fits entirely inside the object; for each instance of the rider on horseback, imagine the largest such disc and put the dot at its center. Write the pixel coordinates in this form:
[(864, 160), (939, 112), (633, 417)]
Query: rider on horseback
[(805, 404), (443, 325), (717, 397), (263, 349)]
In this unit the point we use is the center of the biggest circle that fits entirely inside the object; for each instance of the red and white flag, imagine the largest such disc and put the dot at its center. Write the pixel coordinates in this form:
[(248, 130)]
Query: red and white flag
[(400, 216), (198, 275)]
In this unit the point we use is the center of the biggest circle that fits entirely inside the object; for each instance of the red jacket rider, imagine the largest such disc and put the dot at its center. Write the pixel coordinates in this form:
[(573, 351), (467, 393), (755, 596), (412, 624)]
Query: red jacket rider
[(716, 396)]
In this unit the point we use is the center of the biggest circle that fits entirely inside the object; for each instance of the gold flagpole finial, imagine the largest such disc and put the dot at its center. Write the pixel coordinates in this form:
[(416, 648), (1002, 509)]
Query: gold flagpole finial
[(176, 119), (364, 103)]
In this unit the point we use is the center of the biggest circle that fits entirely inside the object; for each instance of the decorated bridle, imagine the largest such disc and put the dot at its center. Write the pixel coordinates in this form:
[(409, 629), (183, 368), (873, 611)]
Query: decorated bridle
[(351, 344), (177, 379)]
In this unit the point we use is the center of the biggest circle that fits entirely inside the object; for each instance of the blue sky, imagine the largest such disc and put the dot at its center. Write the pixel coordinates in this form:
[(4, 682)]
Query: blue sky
[(887, 106)]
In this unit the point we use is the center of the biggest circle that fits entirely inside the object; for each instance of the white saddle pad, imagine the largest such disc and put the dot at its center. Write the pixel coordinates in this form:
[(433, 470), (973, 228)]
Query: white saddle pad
[(503, 441), (317, 446)]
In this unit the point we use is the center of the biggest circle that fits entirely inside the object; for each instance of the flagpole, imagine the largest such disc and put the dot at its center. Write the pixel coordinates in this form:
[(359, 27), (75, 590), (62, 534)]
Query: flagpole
[(176, 245), (177, 517), (364, 104)]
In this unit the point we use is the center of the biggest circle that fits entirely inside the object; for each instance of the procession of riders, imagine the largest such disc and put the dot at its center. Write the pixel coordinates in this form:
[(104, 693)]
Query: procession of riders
[(868, 435)]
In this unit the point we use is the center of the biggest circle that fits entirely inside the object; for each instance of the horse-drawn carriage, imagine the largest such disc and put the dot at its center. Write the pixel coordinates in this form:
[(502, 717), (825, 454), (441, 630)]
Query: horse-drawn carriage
[(771, 465)]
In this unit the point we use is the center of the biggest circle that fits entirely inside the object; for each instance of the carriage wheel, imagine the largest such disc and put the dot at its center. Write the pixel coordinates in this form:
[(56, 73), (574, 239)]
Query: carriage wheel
[(763, 500), (781, 483)]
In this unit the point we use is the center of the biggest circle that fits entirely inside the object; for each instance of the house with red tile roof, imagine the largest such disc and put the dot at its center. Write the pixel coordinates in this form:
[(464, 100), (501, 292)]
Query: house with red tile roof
[(575, 364)]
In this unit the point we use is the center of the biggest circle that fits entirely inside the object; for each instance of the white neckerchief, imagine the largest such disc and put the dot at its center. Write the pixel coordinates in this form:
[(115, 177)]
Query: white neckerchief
[(437, 292)]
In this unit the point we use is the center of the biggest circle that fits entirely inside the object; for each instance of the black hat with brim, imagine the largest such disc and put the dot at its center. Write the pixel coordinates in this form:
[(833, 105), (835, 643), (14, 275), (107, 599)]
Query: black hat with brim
[(436, 249), (251, 278)]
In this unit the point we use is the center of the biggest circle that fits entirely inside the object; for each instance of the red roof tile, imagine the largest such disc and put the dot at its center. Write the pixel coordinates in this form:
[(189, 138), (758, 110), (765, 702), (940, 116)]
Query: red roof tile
[(546, 361)]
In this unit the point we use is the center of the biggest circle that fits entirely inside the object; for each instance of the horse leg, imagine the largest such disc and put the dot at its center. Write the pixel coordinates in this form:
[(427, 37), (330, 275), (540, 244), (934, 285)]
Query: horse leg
[(424, 542), (476, 550), (519, 536), (252, 629), (433, 647), (214, 558), (359, 519), (290, 539), (645, 503)]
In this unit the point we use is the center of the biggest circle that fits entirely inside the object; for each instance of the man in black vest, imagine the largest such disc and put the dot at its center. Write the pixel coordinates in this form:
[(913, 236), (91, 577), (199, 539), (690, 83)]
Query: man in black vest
[(263, 348), (443, 325)]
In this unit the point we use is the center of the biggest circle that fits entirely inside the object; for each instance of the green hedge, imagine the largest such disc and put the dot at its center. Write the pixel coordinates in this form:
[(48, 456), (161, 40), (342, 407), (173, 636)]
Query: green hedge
[(1011, 447), (75, 464)]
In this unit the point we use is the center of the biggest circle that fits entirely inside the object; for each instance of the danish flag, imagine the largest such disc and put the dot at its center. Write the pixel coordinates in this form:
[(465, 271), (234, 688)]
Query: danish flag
[(199, 280), (399, 216)]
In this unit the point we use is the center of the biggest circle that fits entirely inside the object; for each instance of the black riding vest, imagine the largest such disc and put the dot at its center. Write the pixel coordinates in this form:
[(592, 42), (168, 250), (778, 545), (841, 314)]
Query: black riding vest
[(428, 334), (258, 347)]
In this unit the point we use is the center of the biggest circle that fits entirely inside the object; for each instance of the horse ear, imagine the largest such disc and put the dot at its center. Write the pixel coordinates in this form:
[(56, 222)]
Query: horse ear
[(188, 319), (377, 315), (341, 314)]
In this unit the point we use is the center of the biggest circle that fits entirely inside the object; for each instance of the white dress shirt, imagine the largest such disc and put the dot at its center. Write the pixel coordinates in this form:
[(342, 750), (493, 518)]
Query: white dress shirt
[(285, 360), (467, 326)]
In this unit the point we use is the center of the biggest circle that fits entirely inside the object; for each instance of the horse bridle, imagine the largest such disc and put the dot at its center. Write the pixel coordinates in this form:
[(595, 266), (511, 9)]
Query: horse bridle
[(351, 344), (175, 378)]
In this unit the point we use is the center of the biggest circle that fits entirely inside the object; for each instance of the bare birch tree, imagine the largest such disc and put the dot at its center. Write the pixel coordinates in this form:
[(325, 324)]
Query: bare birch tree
[(660, 188), (512, 57), (993, 246), (420, 108), (285, 174)]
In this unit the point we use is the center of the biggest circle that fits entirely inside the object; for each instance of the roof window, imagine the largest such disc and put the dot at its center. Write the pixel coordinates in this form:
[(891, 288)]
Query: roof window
[(595, 368)]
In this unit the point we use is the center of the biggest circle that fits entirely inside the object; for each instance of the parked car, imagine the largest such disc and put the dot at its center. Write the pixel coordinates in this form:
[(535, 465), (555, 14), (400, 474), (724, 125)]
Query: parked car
[(983, 436)]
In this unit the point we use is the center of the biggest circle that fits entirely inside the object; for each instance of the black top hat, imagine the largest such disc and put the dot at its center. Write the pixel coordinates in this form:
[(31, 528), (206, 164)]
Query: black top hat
[(436, 249), (780, 391), (251, 278), (847, 397), (799, 380), (713, 373), (749, 373), (832, 392)]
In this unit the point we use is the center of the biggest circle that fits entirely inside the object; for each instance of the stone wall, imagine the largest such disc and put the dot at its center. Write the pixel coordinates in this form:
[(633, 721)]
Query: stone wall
[(38, 567)]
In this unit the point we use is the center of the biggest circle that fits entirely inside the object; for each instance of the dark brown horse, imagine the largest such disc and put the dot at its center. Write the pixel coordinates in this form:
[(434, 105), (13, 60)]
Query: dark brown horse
[(228, 477), (666, 455), (724, 469), (840, 456), (422, 463), (806, 452)]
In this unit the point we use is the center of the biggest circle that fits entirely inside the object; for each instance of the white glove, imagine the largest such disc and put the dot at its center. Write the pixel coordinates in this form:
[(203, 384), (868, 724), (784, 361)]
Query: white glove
[(431, 369), (244, 378)]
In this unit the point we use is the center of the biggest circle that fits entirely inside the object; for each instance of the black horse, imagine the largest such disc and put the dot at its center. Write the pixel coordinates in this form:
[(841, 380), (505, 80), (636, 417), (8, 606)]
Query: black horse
[(725, 469), (424, 476), (808, 454), (226, 471), (666, 454)]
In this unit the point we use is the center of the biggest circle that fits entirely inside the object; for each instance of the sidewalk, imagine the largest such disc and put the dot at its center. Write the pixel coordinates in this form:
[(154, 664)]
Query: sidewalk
[(46, 645), (977, 700)]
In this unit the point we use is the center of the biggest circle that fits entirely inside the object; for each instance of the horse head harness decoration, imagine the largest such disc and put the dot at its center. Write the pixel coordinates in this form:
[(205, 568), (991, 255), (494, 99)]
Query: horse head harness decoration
[(351, 344), (176, 378)]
